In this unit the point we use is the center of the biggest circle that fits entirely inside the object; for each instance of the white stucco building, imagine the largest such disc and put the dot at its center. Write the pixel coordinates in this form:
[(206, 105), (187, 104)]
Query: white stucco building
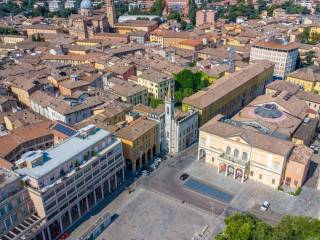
[(283, 54), (181, 128)]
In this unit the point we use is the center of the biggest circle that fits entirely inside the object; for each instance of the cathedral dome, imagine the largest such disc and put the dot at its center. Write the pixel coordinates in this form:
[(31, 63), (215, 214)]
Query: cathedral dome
[(86, 4)]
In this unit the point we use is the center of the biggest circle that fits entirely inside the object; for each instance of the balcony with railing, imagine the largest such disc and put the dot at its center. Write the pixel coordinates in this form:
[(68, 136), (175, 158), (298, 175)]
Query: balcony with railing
[(232, 160)]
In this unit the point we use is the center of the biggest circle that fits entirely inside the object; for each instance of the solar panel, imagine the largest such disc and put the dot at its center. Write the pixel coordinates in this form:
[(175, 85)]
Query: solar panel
[(65, 130)]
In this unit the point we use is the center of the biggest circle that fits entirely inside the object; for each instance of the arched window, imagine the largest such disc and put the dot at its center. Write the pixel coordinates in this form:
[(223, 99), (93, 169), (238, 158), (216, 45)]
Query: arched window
[(228, 151), (244, 156), (236, 153)]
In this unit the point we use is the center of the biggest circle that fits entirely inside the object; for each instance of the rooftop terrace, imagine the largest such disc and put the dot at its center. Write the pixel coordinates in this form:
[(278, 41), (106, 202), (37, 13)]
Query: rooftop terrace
[(61, 153)]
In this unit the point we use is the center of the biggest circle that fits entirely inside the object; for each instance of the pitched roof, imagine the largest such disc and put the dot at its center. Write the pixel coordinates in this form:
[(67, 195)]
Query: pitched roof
[(253, 138), (311, 74), (280, 85), (19, 136), (227, 84), (136, 129), (276, 45), (301, 154)]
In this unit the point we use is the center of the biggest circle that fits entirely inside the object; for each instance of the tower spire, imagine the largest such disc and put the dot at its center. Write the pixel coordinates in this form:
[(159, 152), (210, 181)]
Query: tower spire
[(169, 96)]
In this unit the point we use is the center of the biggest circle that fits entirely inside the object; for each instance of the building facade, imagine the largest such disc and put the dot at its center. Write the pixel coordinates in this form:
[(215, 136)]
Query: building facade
[(31, 137), (308, 78), (283, 54), (67, 181), (156, 82), (243, 153), (205, 17), (15, 202), (230, 93), (181, 128), (140, 142)]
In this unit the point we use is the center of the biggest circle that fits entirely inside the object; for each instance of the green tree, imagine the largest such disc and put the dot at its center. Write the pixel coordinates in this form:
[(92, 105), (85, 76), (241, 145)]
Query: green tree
[(242, 9), (304, 36), (247, 227), (158, 7), (121, 8), (192, 11), (155, 102), (183, 25), (8, 31), (174, 16), (318, 8), (262, 5), (297, 228), (309, 58)]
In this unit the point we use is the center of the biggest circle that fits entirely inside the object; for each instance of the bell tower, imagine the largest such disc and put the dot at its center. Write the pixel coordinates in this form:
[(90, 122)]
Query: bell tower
[(111, 13), (169, 115)]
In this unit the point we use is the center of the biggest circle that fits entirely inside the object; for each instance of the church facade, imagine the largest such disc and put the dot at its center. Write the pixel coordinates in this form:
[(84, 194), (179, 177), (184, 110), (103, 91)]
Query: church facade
[(89, 22), (181, 128)]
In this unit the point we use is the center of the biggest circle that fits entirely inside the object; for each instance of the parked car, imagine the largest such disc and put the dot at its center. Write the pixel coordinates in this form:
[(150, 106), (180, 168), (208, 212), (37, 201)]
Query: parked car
[(64, 236), (184, 176), (314, 148), (158, 160), (154, 166), (265, 206), (145, 173)]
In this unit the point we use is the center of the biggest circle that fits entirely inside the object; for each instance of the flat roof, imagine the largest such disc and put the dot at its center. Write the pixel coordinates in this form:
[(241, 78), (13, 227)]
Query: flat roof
[(62, 153)]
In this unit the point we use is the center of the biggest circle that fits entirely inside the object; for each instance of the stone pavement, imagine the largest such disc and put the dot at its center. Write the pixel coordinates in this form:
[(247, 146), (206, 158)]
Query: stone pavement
[(154, 217)]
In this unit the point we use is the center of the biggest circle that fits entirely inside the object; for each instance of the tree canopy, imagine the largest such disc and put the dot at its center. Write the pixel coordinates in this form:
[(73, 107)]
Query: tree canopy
[(158, 7), (192, 11), (187, 83), (8, 31), (27, 9), (248, 227)]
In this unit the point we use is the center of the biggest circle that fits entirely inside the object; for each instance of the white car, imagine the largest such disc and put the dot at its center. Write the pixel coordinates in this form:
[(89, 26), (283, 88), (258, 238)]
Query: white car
[(265, 206), (145, 172), (158, 160)]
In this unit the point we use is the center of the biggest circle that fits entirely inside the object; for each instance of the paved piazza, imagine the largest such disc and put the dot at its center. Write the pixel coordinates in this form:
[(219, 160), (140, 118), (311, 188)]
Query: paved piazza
[(153, 216), (250, 195)]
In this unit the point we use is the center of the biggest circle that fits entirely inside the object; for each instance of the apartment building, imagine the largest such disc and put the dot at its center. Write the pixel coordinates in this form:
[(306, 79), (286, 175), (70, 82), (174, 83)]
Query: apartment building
[(167, 38), (111, 113), (22, 89), (156, 114), (205, 17), (32, 137), (242, 153), (7, 103), (136, 25), (129, 92), (283, 54), (156, 82), (230, 93), (181, 6), (68, 180), (69, 110), (15, 202), (307, 78), (43, 29), (140, 140)]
